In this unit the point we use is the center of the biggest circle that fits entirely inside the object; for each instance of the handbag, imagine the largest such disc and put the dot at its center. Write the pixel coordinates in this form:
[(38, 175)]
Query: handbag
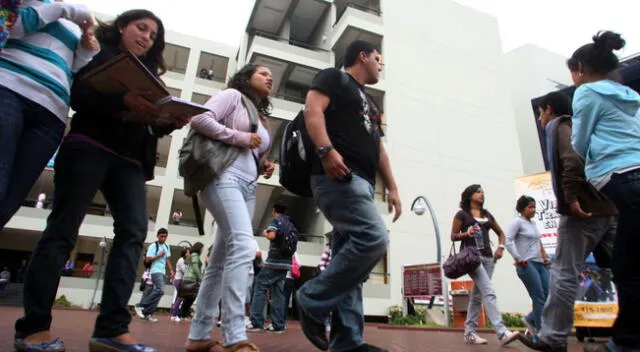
[(203, 159), (461, 263), (188, 288)]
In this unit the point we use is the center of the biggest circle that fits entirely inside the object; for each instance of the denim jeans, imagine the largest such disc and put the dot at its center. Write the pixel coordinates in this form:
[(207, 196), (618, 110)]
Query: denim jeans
[(149, 302), (359, 243), (231, 201), (624, 191), (535, 278), (483, 292), (272, 279), (576, 239), (80, 171), (29, 136)]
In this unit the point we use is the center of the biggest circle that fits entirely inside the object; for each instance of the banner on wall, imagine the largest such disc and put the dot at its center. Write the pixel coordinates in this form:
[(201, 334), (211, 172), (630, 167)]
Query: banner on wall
[(540, 188), (596, 303)]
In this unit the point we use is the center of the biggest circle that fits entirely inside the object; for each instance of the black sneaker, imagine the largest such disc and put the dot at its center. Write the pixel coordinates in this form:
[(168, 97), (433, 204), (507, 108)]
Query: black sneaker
[(273, 330), (313, 330), (368, 348)]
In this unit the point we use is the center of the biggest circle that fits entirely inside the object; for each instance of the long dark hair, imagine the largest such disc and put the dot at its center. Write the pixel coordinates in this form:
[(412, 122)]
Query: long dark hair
[(465, 199), (109, 34), (240, 81), (598, 57), (197, 248), (523, 202)]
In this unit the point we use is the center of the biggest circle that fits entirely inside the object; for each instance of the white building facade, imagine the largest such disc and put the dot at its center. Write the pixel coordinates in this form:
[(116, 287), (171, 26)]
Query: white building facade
[(448, 121)]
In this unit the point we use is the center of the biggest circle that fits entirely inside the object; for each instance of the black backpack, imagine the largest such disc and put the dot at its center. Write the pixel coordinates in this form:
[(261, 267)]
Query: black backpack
[(147, 265), (288, 241), (297, 153)]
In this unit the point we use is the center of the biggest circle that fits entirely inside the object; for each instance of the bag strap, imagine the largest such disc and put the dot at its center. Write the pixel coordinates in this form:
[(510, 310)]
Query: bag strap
[(198, 214), (254, 120)]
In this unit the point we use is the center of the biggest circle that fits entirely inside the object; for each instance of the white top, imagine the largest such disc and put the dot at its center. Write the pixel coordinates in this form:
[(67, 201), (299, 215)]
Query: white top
[(181, 269), (523, 240), (245, 165)]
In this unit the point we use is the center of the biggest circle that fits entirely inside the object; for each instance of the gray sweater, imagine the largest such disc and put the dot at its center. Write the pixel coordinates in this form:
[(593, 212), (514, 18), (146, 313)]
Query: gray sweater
[(523, 240)]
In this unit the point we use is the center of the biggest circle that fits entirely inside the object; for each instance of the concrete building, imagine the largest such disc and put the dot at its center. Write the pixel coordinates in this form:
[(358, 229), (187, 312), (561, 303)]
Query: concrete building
[(533, 72), (448, 121)]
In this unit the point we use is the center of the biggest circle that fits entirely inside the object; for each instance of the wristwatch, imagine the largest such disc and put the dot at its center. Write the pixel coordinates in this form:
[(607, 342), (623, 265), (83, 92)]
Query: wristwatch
[(323, 151)]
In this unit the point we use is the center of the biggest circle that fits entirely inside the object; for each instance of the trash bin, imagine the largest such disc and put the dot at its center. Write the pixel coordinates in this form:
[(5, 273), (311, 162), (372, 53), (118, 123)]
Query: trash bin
[(460, 291)]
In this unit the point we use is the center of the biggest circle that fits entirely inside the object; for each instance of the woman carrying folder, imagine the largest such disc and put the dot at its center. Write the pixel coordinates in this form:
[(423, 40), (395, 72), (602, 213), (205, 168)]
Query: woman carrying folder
[(110, 147), (231, 200)]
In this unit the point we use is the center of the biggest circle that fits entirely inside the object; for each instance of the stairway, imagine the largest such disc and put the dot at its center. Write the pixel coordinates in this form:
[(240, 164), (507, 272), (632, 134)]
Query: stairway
[(12, 295)]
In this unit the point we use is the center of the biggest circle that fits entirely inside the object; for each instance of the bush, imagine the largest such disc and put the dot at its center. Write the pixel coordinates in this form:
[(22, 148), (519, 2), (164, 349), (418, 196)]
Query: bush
[(513, 320), (63, 302), (418, 319)]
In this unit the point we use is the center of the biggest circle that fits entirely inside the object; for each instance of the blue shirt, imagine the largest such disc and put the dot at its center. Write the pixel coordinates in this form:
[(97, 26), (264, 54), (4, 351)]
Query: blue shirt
[(159, 266), (606, 129)]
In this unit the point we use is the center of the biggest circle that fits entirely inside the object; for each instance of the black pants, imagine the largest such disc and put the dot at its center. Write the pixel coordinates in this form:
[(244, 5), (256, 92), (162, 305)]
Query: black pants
[(289, 285), (80, 171), (624, 190)]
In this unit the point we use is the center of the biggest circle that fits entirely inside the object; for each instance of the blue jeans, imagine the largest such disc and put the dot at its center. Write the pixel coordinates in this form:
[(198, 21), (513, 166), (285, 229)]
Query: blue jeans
[(231, 201), (624, 190), (359, 243), (272, 279), (29, 136), (149, 302), (535, 278)]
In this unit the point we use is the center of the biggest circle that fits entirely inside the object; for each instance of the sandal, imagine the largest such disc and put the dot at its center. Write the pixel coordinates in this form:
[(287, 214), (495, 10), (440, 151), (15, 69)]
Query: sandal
[(210, 346), (243, 346)]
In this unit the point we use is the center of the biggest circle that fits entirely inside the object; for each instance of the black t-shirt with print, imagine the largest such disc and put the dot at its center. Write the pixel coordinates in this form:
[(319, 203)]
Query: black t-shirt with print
[(353, 122)]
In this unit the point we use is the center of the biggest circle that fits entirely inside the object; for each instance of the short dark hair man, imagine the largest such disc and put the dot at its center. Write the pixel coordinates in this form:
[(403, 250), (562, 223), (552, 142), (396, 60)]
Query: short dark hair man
[(158, 254), (587, 224), (344, 124), (272, 276)]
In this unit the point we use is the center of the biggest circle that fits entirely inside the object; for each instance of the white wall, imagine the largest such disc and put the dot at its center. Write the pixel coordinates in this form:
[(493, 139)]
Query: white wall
[(532, 71), (449, 125)]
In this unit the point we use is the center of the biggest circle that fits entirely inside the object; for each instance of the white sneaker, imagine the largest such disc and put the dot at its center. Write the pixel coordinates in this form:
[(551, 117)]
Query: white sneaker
[(247, 321), (175, 319), (509, 337), (139, 312), (530, 328), (151, 318), (474, 339)]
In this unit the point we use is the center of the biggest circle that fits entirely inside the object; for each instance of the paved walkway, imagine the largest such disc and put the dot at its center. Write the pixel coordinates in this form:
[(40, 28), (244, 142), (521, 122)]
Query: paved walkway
[(75, 327)]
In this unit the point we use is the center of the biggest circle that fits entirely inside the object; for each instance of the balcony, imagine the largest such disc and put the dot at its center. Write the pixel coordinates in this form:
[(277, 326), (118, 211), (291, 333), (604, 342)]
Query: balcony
[(299, 23), (370, 9), (285, 49), (182, 218), (212, 70), (177, 59), (200, 98)]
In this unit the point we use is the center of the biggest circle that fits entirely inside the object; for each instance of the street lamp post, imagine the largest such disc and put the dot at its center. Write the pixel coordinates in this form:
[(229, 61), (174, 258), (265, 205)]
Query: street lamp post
[(103, 246), (419, 206)]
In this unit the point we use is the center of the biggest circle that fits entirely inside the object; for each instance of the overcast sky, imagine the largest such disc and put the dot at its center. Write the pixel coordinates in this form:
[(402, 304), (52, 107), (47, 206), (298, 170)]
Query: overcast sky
[(558, 25)]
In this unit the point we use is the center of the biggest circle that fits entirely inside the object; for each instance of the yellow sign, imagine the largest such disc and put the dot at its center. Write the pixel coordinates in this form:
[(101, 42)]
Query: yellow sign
[(595, 314)]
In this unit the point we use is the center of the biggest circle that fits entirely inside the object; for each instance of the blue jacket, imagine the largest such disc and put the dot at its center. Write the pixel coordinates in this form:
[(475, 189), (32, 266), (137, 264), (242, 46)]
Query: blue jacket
[(606, 127)]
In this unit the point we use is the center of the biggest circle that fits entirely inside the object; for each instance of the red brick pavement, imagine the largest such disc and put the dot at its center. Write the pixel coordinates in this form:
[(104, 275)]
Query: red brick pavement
[(75, 327)]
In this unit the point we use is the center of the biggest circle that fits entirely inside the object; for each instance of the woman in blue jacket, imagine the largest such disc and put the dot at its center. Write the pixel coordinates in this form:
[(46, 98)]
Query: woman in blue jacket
[(606, 133)]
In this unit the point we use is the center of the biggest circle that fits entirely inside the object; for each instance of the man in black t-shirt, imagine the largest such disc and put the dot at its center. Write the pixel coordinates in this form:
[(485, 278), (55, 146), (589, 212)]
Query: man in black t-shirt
[(344, 124)]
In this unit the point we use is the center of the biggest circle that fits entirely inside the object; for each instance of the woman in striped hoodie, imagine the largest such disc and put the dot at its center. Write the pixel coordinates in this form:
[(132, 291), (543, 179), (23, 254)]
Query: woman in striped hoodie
[(49, 42)]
